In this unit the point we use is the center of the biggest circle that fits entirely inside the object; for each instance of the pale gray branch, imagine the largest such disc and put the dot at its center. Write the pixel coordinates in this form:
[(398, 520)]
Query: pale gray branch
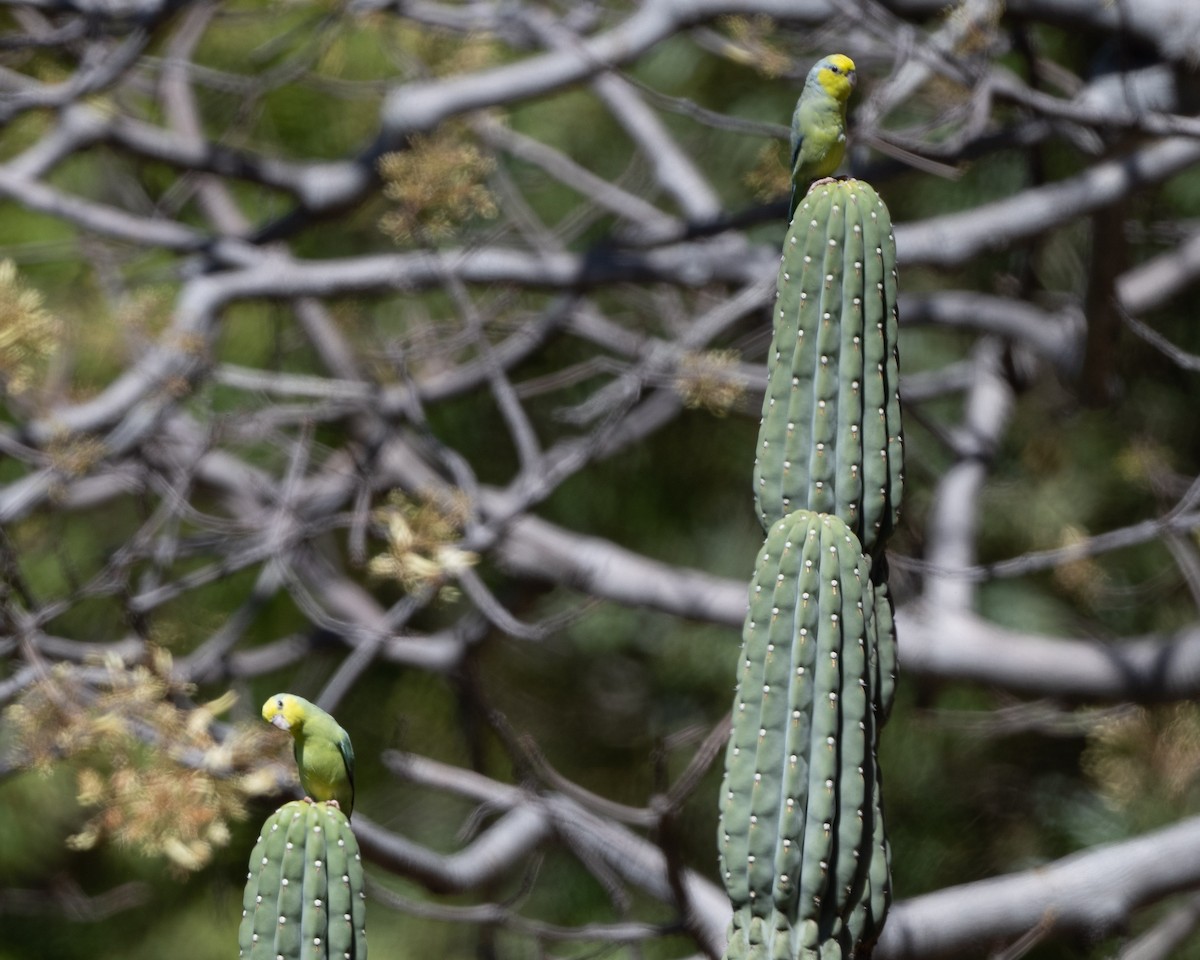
[(1092, 894)]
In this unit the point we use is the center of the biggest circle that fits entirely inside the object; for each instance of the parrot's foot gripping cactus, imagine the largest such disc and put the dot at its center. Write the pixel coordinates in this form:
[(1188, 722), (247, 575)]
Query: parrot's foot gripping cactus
[(304, 894), (803, 851), (830, 439)]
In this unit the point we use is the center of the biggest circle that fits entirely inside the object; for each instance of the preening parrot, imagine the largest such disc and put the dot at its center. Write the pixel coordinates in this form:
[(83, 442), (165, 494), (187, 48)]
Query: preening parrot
[(324, 755), (819, 123)]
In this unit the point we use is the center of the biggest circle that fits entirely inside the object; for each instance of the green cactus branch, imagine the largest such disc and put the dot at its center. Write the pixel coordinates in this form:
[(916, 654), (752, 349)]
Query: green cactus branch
[(803, 852), (830, 439), (304, 893)]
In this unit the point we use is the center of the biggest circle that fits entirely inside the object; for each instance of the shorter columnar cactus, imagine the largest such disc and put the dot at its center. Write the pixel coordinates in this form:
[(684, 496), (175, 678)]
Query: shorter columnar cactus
[(304, 894), (804, 856)]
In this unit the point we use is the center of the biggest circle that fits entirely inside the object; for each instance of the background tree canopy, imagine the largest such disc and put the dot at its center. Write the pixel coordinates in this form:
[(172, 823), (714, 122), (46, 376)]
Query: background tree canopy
[(409, 355)]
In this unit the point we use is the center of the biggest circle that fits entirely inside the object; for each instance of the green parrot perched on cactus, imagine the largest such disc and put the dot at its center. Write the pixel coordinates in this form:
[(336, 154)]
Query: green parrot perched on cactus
[(819, 123), (324, 755)]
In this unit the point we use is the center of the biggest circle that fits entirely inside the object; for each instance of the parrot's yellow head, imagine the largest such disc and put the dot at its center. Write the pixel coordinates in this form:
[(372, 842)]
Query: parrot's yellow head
[(836, 76), (285, 711)]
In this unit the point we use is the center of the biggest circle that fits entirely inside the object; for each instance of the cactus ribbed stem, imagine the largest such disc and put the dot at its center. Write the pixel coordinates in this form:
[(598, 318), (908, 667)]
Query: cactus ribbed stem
[(304, 892), (801, 829), (830, 439)]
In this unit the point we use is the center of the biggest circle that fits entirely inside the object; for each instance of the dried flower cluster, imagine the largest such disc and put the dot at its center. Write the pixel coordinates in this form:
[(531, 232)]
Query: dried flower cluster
[(421, 544), (435, 185), (28, 332), (1143, 748), (768, 179), (1082, 577), (751, 44), (448, 53), (75, 456), (708, 380), (150, 767), (975, 25)]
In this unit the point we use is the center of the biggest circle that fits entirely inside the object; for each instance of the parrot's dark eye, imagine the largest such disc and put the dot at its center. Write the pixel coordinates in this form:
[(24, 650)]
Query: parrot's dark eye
[(279, 703)]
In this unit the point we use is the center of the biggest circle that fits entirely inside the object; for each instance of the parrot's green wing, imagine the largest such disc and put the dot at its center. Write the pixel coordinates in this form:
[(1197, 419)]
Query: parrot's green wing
[(347, 750), (331, 756)]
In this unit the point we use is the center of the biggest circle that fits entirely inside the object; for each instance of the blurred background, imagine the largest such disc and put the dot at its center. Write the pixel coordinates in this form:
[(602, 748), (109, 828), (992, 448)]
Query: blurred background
[(409, 355)]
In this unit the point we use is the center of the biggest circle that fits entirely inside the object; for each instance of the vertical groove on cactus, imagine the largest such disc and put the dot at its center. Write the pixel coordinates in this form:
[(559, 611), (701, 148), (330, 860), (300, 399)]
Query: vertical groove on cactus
[(830, 439), (304, 892), (801, 830), (885, 666)]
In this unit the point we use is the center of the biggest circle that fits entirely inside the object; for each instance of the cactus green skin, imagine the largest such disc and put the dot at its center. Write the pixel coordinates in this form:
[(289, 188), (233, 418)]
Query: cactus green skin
[(886, 664), (803, 853), (830, 439), (304, 893)]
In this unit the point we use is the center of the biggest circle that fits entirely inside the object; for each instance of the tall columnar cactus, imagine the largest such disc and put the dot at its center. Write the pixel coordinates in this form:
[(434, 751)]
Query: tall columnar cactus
[(304, 893), (803, 851), (830, 439)]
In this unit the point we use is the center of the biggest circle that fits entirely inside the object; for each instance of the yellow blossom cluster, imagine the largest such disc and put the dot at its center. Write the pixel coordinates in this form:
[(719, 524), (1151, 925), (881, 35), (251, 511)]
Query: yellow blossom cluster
[(28, 332), (434, 185), (709, 380), (422, 551), (750, 43), (1141, 746), (768, 179)]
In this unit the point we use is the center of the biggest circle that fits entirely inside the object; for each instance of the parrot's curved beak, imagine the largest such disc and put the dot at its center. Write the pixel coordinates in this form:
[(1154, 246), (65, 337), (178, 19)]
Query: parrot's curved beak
[(280, 721)]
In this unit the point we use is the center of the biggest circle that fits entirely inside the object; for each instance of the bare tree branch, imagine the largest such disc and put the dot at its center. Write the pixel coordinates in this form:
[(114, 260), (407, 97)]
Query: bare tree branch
[(1091, 894)]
